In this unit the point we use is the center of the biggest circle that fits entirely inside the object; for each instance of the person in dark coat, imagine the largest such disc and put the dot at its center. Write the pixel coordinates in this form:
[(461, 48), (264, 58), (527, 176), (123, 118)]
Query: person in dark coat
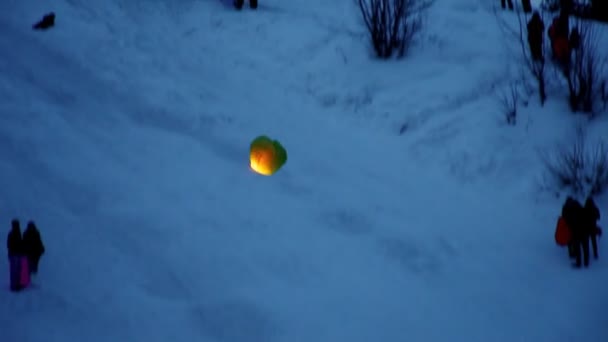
[(536, 27), (526, 5), (238, 4), (575, 39), (590, 217), (33, 248), (14, 246), (566, 6), (568, 213), (572, 212), (563, 24)]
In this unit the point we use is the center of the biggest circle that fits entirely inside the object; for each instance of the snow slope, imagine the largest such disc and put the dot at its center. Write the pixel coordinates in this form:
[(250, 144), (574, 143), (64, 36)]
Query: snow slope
[(125, 131)]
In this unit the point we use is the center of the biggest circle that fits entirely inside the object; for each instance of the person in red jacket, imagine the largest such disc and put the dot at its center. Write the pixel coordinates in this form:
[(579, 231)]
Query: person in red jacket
[(558, 34)]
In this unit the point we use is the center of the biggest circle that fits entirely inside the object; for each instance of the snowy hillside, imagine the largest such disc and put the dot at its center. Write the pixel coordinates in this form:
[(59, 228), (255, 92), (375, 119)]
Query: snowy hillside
[(407, 211)]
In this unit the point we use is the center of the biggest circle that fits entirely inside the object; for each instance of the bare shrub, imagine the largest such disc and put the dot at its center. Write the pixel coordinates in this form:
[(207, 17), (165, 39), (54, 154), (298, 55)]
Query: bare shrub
[(578, 167), (392, 24), (509, 99), (584, 74)]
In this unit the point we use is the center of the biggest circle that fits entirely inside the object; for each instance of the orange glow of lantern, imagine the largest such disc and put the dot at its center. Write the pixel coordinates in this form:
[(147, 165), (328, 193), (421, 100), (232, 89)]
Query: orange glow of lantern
[(266, 156), (260, 162)]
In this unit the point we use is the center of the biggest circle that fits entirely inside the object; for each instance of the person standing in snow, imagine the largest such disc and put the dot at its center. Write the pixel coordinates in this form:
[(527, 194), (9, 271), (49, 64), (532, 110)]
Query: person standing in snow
[(566, 6), (238, 4), (536, 27), (33, 248), (572, 212), (591, 215), (575, 39), (526, 6), (14, 246), (559, 32)]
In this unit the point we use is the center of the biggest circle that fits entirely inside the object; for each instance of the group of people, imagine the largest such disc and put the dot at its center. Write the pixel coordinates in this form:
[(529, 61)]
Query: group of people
[(24, 253), (563, 40), (581, 222)]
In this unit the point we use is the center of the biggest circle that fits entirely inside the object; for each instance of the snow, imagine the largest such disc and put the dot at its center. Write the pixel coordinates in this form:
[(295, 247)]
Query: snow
[(125, 132)]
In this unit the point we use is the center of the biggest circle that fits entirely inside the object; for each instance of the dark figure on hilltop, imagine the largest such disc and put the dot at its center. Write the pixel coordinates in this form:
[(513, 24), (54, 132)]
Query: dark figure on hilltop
[(536, 28), (238, 4), (33, 248), (14, 245), (572, 212), (591, 214)]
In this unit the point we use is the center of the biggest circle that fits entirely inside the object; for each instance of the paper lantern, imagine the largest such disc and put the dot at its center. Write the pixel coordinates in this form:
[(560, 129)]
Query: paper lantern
[(266, 155)]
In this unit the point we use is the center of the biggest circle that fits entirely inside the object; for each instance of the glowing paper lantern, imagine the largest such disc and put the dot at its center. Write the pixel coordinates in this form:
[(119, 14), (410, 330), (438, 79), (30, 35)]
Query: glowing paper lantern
[(266, 155)]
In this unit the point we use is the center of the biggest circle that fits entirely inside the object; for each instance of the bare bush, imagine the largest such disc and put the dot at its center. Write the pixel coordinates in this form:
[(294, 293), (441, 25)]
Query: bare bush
[(392, 24), (578, 167), (509, 99), (584, 74)]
